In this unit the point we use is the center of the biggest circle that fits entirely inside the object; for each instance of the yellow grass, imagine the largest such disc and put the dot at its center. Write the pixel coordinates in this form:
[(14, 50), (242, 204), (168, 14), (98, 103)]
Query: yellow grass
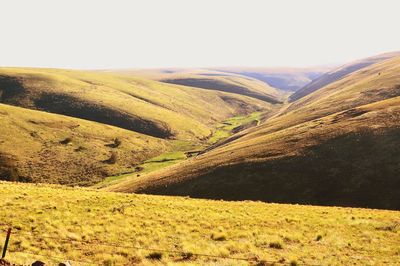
[(66, 223)]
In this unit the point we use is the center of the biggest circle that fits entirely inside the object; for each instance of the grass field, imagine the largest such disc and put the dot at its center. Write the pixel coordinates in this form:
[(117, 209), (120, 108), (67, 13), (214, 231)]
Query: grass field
[(62, 223)]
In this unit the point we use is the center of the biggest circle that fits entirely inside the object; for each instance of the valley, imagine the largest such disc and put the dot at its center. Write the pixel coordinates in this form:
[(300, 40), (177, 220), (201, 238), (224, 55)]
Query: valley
[(207, 133), (294, 154), (215, 133)]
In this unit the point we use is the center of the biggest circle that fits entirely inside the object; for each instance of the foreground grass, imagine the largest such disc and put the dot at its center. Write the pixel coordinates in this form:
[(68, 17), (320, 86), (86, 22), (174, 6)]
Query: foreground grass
[(70, 223)]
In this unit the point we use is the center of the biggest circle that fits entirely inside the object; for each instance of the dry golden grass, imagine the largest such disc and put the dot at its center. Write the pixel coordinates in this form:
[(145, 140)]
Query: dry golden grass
[(67, 223)]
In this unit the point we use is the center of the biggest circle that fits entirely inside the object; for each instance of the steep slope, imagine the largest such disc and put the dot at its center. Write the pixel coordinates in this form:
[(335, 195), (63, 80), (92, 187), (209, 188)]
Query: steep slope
[(337, 146), (339, 73), (48, 148), (136, 104)]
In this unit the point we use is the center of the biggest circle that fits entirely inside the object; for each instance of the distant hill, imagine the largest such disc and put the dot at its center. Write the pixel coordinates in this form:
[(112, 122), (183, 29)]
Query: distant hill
[(286, 79), (214, 80), (337, 74), (337, 146)]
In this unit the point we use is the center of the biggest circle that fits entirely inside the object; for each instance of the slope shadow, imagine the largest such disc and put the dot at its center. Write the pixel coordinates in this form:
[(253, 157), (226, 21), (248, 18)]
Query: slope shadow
[(356, 170)]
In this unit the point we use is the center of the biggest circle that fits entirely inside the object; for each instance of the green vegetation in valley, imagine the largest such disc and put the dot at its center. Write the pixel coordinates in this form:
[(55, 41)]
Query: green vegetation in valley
[(63, 223), (223, 130), (226, 128), (153, 164)]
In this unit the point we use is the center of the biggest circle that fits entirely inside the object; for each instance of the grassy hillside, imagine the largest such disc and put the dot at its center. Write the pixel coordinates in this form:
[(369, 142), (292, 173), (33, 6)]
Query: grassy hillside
[(337, 146), (136, 104), (100, 228), (339, 73), (41, 147)]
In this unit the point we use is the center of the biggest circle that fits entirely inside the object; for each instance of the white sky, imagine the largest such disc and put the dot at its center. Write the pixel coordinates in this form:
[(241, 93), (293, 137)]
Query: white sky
[(185, 33)]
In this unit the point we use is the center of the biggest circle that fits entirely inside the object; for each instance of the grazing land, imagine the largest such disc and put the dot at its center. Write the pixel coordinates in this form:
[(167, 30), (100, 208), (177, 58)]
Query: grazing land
[(102, 228)]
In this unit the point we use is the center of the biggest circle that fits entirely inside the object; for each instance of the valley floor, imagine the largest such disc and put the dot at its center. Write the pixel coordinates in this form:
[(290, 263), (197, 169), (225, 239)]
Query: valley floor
[(54, 223)]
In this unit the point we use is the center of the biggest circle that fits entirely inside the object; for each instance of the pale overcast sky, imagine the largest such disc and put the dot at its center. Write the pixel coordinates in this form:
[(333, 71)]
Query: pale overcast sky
[(188, 33)]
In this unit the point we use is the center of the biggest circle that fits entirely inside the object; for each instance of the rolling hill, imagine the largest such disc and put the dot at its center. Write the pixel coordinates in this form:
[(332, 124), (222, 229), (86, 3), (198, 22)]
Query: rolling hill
[(149, 118), (41, 147), (339, 73), (336, 146)]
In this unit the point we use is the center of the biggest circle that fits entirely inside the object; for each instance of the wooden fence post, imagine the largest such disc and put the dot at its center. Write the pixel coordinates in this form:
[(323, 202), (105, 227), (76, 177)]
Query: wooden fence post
[(6, 243)]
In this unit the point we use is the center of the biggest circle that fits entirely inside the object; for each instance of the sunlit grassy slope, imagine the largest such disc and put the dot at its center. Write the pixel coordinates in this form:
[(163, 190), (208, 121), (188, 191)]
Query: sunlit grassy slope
[(337, 146), (41, 147), (80, 225), (339, 73)]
